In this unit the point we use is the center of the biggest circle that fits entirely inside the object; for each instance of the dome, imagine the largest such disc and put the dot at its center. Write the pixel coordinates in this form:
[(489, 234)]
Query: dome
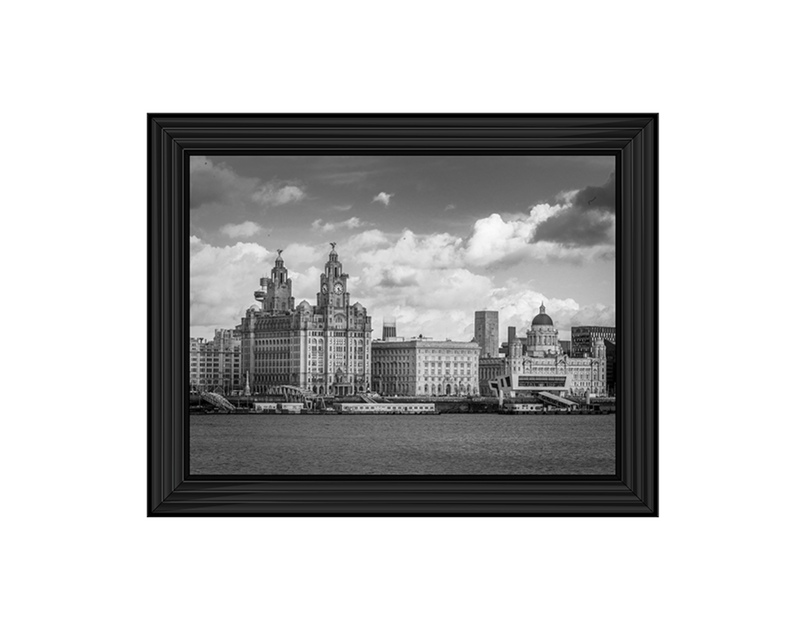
[(542, 319)]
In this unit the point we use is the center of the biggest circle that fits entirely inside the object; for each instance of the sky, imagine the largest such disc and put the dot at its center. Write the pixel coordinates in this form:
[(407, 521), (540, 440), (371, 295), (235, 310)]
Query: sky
[(426, 240)]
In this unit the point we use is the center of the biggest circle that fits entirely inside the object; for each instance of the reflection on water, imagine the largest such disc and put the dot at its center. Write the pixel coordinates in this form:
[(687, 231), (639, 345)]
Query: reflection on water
[(449, 444)]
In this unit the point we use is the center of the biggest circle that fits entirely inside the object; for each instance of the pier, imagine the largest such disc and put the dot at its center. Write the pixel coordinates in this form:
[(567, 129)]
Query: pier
[(210, 403)]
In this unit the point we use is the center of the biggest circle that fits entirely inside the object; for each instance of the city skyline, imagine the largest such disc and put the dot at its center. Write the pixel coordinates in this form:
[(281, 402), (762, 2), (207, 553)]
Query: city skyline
[(427, 241)]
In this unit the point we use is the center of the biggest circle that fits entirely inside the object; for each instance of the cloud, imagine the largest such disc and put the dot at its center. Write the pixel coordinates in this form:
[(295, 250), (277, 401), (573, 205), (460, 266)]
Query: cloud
[(216, 185), (383, 197), (212, 183), (498, 242), (517, 305), (349, 224), (587, 220), (222, 283), (245, 229), (272, 194), (423, 280), (450, 206), (398, 278)]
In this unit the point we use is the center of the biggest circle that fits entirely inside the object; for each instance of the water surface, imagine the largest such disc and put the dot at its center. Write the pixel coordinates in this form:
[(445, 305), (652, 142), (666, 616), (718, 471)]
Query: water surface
[(447, 444)]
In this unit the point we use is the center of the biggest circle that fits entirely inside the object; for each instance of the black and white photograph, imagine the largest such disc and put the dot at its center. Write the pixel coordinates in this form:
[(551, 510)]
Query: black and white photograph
[(402, 315)]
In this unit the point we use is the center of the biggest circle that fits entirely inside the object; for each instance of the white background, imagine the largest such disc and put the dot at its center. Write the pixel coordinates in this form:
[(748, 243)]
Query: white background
[(78, 79)]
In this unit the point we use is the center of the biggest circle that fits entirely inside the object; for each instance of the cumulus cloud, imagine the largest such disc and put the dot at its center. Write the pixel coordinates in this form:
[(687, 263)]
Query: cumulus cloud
[(424, 281), (222, 283), (586, 220), (427, 284), (579, 227), (498, 242), (383, 197), (349, 224), (518, 304), (240, 230)]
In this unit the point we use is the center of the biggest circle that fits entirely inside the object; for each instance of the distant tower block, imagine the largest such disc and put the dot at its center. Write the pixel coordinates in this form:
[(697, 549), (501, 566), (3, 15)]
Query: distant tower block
[(511, 338), (487, 332), (388, 329)]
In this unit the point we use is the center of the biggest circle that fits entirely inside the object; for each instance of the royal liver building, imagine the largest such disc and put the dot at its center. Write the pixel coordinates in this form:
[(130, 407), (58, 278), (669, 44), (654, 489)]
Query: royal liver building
[(324, 348)]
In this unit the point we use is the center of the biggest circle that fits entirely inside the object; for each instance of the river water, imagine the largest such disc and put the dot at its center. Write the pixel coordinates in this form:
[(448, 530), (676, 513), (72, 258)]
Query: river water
[(447, 444)]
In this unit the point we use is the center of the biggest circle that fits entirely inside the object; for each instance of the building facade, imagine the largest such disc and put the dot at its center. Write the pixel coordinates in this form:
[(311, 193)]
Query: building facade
[(487, 332), (489, 369), (323, 348), (216, 365), (541, 365), (611, 367), (584, 338), (424, 367)]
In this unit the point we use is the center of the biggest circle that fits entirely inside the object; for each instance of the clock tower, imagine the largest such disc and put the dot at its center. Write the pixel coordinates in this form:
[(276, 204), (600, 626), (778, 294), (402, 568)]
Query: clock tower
[(333, 291), (323, 349)]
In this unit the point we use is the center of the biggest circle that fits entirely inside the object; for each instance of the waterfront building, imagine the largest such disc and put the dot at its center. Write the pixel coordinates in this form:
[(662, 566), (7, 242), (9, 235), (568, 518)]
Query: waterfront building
[(585, 337), (215, 365), (323, 348), (541, 365), (487, 332), (425, 367), (489, 369), (611, 367), (542, 337)]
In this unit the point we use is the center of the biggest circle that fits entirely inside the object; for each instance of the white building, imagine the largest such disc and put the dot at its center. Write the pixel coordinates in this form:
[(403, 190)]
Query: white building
[(541, 365), (424, 367)]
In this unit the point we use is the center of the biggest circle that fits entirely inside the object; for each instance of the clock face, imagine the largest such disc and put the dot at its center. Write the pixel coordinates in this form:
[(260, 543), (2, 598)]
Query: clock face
[(338, 289), (324, 288)]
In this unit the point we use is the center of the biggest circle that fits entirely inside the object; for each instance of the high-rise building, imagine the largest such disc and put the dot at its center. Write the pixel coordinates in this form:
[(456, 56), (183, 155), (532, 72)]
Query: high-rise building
[(324, 348), (215, 364), (487, 332), (424, 367), (584, 338)]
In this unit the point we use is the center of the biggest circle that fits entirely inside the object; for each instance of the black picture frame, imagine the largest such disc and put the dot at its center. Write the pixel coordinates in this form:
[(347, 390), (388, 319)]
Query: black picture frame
[(631, 138)]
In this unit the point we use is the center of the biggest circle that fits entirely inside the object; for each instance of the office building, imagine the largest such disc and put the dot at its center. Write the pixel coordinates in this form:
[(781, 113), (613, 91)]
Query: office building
[(585, 337), (424, 367), (215, 365), (323, 348), (487, 332)]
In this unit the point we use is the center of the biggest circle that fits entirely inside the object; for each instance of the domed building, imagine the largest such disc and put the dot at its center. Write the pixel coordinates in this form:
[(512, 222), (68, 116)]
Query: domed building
[(540, 365), (542, 338)]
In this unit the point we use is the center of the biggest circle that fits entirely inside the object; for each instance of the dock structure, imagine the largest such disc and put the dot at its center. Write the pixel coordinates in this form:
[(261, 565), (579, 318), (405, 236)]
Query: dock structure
[(217, 401)]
